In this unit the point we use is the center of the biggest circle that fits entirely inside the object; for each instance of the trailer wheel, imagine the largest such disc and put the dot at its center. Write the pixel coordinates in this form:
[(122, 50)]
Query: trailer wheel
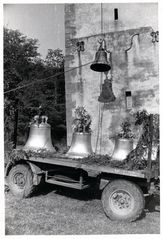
[(20, 181), (123, 201)]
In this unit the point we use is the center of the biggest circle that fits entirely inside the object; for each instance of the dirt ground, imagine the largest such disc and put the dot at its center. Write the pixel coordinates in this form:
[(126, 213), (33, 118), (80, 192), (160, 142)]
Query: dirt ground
[(62, 211)]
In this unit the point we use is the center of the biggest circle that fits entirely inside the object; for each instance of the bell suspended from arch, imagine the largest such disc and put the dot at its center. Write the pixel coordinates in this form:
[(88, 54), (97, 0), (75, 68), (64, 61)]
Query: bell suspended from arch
[(101, 64), (107, 94), (39, 135)]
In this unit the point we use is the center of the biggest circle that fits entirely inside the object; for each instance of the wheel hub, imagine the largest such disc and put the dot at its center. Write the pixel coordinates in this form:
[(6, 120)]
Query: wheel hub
[(19, 179), (121, 202)]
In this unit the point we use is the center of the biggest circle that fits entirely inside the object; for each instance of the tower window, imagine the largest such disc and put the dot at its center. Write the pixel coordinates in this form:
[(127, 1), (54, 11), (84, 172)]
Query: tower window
[(115, 14), (128, 93)]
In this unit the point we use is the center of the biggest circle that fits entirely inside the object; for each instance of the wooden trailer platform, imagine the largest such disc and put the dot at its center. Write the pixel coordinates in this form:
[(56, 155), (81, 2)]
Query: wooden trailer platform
[(91, 168)]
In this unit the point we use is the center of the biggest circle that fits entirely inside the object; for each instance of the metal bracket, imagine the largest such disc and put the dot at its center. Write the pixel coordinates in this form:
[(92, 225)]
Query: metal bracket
[(93, 173), (80, 46), (155, 36), (136, 34), (103, 183)]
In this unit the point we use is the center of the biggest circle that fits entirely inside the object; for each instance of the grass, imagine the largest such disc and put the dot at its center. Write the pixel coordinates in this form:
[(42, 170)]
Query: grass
[(62, 211)]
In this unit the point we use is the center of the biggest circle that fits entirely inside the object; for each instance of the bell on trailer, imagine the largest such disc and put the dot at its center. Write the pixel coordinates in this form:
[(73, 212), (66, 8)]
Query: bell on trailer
[(122, 148), (39, 135), (80, 145), (101, 64)]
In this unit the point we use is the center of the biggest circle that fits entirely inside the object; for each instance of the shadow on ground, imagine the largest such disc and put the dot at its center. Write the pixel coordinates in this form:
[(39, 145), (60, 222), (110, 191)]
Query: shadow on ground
[(152, 202), (85, 195)]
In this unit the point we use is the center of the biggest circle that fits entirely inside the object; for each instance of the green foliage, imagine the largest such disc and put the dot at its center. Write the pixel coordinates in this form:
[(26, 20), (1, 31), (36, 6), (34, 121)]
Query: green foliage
[(126, 132), (106, 160), (23, 66), (98, 160), (140, 117), (156, 129), (147, 139), (82, 121), (18, 155), (143, 118), (54, 58), (18, 54)]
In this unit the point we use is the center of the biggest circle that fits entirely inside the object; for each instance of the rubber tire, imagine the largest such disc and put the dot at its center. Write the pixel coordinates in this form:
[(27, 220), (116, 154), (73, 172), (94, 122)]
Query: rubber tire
[(137, 196), (28, 188)]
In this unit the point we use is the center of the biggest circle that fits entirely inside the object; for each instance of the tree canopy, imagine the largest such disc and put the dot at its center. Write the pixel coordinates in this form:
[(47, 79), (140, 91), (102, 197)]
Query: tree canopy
[(23, 65)]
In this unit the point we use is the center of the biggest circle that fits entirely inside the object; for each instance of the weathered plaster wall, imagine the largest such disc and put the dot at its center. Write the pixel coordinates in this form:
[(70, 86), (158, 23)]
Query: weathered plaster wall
[(131, 15), (136, 70)]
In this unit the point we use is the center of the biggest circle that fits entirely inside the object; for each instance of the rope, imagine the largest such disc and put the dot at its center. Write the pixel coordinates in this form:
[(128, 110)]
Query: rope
[(47, 78), (99, 116), (101, 107), (101, 19), (102, 111)]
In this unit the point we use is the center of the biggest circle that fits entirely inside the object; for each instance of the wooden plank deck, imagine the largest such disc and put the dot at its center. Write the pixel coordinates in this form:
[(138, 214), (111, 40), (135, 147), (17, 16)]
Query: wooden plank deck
[(65, 161)]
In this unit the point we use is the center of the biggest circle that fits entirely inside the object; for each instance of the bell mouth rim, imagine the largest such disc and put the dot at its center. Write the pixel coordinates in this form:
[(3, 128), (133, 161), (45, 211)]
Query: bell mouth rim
[(124, 139), (97, 67)]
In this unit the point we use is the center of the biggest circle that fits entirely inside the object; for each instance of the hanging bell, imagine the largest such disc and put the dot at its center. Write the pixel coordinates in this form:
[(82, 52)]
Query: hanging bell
[(39, 135), (107, 94), (122, 148), (101, 64), (80, 145)]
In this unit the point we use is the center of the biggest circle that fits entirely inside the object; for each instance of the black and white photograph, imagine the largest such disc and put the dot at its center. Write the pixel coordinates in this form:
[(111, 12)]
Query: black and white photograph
[(81, 118)]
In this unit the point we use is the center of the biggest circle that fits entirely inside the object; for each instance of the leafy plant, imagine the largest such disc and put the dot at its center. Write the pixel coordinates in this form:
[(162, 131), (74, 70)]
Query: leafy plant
[(82, 120), (23, 65), (150, 132), (126, 132)]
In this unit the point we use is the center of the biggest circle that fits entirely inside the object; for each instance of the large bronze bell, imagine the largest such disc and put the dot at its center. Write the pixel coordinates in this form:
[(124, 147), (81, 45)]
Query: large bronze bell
[(39, 135), (80, 145), (122, 148), (101, 64)]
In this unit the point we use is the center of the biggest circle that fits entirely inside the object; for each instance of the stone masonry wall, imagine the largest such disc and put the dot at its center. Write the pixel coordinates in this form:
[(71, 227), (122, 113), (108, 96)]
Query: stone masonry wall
[(135, 70)]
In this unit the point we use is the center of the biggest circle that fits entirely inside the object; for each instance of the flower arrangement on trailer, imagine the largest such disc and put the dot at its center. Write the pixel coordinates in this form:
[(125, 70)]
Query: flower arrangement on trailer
[(82, 120)]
